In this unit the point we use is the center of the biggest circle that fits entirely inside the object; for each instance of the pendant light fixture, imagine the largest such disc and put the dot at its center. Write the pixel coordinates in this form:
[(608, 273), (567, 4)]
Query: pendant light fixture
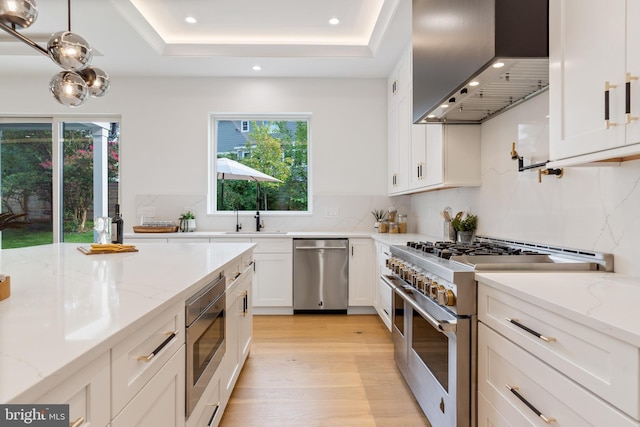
[(73, 86)]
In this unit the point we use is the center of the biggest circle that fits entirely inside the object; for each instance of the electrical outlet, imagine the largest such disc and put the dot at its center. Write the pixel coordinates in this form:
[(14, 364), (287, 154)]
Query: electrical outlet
[(146, 211), (331, 212)]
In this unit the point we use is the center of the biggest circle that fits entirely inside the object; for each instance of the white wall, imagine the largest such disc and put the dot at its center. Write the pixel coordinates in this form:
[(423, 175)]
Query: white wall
[(589, 208), (165, 141)]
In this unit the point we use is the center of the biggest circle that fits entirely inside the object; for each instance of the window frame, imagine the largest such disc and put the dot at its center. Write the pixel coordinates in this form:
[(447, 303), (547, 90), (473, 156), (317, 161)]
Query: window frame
[(212, 190), (57, 161)]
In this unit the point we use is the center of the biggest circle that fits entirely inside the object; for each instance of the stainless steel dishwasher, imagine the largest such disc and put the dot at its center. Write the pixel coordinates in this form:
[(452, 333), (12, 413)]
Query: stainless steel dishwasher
[(320, 275)]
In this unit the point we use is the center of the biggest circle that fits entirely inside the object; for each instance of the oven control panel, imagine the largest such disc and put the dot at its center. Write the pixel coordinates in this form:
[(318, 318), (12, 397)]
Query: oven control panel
[(432, 286)]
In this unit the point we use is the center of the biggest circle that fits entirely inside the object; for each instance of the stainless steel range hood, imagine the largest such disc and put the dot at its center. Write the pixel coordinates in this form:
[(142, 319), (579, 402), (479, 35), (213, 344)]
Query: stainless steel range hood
[(457, 42)]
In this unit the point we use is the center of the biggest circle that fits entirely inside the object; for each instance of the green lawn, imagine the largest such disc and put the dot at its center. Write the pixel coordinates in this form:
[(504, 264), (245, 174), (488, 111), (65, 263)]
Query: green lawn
[(23, 237)]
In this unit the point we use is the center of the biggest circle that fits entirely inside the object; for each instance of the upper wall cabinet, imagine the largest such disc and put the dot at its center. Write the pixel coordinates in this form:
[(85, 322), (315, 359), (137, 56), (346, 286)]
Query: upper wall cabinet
[(398, 124), (426, 157), (594, 88)]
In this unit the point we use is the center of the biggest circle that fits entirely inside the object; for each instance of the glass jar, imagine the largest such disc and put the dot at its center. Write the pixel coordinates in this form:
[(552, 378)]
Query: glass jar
[(384, 227), (392, 214), (393, 228), (402, 223)]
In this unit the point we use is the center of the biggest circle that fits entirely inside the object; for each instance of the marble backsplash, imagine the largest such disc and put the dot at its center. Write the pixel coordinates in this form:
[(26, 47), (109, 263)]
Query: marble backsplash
[(590, 208), (352, 213)]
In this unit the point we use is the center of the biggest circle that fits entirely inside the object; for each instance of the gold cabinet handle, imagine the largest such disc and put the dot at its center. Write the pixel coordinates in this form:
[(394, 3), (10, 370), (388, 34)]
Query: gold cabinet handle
[(607, 122), (517, 323), (517, 394), (77, 423), (163, 344)]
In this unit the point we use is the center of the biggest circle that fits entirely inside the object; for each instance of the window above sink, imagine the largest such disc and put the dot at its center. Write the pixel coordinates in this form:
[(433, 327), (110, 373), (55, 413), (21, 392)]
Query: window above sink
[(270, 157)]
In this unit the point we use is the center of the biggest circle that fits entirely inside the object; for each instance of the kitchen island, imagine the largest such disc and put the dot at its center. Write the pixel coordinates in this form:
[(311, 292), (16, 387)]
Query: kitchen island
[(68, 309)]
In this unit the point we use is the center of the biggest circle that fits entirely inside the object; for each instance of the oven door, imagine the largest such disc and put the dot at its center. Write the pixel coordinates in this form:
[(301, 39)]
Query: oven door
[(398, 323), (440, 362), (205, 349)]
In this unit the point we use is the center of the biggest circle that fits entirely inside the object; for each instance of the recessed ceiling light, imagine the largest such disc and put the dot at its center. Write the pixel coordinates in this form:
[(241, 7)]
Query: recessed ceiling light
[(498, 65), (190, 19), (444, 106), (334, 21), (474, 83), (256, 68), (431, 116)]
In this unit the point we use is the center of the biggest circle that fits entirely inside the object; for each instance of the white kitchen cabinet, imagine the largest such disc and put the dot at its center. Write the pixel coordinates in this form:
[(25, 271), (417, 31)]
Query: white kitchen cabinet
[(556, 363), (87, 393), (399, 124), (208, 411), (452, 156), (238, 327), (382, 291), (425, 157), (523, 389), (161, 401), (273, 276), (361, 271), (130, 369), (592, 51)]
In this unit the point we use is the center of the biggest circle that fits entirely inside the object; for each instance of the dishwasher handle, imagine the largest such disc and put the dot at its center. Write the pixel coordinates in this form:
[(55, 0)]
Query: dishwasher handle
[(316, 248)]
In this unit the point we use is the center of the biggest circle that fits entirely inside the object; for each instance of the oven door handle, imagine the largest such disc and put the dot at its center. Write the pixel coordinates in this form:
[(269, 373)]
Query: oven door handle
[(444, 327)]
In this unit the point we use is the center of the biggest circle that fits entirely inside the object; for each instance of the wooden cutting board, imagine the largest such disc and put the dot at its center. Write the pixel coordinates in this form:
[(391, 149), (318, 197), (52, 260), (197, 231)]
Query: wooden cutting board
[(88, 251)]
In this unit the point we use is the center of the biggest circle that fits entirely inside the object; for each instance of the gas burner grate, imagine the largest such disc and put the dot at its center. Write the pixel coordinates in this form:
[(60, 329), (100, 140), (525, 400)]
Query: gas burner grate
[(444, 249)]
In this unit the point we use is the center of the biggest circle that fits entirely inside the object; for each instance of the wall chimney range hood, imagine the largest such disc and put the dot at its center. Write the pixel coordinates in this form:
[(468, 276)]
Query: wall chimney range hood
[(456, 44)]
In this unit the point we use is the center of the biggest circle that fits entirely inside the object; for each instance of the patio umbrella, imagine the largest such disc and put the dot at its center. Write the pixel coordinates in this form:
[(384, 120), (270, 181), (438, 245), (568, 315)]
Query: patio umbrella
[(232, 170)]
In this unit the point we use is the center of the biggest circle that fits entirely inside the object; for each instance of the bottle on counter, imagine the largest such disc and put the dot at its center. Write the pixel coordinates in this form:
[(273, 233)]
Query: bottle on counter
[(383, 227), (393, 228), (117, 227)]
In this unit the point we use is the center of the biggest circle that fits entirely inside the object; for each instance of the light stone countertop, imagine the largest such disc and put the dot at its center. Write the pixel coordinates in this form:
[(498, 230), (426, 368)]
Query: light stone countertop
[(66, 308), (607, 302), (386, 238)]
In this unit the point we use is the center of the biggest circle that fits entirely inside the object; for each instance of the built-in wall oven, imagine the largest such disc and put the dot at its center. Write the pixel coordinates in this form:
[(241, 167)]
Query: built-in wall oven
[(205, 320)]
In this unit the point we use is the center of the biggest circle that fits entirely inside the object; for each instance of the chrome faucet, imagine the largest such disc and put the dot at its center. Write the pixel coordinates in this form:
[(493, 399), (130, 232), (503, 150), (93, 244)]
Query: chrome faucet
[(259, 224), (238, 225)]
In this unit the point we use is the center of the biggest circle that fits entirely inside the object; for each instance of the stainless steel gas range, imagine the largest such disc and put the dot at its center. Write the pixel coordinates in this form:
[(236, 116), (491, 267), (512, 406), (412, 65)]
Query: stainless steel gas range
[(434, 313)]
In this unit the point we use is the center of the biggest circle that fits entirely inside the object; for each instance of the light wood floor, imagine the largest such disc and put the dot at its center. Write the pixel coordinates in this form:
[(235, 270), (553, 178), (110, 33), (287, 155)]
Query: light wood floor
[(321, 371)]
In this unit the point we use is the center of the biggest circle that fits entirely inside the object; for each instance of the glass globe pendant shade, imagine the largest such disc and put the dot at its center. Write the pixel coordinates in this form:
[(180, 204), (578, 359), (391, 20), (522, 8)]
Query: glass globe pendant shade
[(69, 89), (22, 13), (97, 81), (69, 50)]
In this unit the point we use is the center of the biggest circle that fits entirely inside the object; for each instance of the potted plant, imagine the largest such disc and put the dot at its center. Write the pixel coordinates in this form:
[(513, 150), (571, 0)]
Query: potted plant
[(187, 221), (465, 227), (379, 215)]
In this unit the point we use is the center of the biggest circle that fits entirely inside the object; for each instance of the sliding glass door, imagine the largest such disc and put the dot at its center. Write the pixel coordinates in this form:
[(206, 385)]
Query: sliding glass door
[(60, 174)]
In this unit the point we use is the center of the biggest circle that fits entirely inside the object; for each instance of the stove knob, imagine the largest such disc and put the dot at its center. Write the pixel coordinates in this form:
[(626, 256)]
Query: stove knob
[(449, 298), (445, 296), (434, 290)]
